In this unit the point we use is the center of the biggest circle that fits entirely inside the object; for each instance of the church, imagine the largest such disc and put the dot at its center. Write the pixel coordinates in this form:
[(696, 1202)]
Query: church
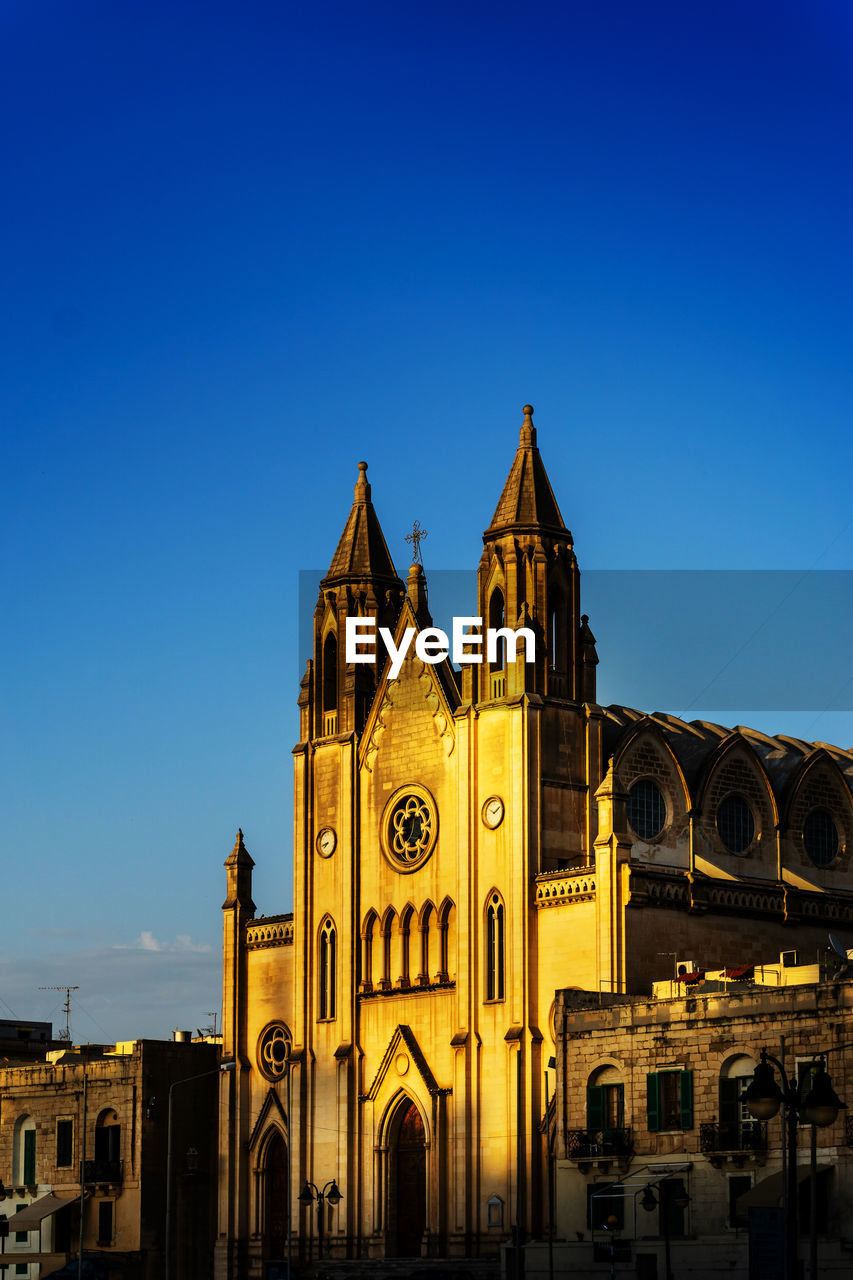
[(468, 840)]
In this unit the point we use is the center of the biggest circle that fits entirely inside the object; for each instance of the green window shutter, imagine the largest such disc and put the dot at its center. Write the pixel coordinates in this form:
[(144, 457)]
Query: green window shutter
[(620, 1093), (687, 1099), (652, 1102), (594, 1106)]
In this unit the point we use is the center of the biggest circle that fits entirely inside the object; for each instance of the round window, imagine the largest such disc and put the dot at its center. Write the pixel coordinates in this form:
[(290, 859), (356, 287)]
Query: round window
[(820, 837), (409, 827), (273, 1051), (735, 823), (646, 809)]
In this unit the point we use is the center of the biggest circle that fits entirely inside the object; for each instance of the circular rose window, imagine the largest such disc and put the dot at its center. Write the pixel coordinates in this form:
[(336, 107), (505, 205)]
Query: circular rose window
[(273, 1051), (409, 827)]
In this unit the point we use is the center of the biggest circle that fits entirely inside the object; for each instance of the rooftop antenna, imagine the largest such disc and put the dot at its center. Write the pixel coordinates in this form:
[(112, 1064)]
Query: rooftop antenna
[(66, 1034)]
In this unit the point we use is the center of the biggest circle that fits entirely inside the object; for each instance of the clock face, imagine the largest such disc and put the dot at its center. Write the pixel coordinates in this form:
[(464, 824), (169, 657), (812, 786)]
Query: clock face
[(326, 842), (493, 812)]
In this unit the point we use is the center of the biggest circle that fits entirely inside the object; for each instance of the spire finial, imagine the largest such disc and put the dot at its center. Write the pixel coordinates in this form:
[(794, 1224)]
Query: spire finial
[(362, 488), (416, 537), (528, 431)]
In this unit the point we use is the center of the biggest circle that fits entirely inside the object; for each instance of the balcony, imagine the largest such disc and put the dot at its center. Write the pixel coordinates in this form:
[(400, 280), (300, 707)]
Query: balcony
[(732, 1141), (103, 1172), (599, 1145)]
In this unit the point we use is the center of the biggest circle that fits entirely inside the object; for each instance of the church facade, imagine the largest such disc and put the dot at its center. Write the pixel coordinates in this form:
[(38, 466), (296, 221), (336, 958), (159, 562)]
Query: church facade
[(467, 841)]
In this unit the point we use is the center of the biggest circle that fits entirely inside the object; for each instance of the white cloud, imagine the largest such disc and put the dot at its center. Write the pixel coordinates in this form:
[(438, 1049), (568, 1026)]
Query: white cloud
[(147, 942)]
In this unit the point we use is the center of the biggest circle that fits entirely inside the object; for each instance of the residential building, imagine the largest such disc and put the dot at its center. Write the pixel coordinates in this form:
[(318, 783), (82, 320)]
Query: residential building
[(106, 1107), (649, 1097)]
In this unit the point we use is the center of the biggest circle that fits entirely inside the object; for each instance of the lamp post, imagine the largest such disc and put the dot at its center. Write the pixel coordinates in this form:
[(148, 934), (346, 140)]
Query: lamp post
[(668, 1195), (552, 1066), (4, 1230), (223, 1066), (819, 1108), (309, 1194)]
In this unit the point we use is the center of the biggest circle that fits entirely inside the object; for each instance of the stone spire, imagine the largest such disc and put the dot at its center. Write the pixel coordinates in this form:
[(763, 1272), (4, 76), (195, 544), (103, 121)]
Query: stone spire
[(362, 552), (527, 504)]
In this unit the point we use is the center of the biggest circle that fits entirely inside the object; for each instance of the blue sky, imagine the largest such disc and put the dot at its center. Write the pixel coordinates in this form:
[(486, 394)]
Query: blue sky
[(244, 250)]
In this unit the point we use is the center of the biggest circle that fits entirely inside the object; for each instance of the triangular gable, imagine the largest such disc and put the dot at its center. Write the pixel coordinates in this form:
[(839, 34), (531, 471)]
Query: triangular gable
[(435, 694), (406, 1037), (272, 1103)]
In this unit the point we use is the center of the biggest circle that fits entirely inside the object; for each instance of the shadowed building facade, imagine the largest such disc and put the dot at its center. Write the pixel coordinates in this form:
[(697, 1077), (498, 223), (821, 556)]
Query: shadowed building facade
[(466, 841)]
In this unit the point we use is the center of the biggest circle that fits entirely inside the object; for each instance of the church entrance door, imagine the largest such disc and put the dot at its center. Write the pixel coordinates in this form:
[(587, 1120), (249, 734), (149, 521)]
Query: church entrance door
[(275, 1182), (410, 1182)]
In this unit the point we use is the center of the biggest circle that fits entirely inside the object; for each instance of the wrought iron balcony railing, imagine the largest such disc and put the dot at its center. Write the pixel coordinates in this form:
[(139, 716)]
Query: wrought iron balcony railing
[(598, 1144), (748, 1136), (102, 1171)]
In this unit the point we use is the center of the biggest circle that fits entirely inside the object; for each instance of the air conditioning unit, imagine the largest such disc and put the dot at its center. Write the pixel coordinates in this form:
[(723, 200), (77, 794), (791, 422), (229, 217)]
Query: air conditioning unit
[(788, 959), (684, 966)]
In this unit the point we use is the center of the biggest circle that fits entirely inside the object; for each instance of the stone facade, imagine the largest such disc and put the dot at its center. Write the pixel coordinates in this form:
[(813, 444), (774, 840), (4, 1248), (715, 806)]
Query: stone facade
[(124, 1090), (464, 847), (611, 1136)]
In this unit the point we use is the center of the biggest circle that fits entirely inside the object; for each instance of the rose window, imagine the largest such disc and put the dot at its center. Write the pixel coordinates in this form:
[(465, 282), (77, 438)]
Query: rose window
[(409, 828), (274, 1051)]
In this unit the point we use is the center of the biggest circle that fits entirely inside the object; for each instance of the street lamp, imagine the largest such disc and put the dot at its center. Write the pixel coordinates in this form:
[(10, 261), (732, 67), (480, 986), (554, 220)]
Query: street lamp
[(669, 1194), (223, 1066), (309, 1194), (819, 1108)]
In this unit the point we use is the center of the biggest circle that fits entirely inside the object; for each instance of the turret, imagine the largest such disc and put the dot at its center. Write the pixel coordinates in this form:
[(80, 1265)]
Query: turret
[(361, 582), (528, 576)]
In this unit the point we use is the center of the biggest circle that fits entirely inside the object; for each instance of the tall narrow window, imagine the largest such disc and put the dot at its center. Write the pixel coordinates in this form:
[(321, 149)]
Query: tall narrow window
[(495, 948), (24, 1152), (64, 1143), (496, 620), (330, 672), (405, 928), (327, 971)]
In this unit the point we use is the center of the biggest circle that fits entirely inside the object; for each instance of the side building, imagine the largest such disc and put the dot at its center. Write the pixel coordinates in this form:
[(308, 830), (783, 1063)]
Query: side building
[(652, 1137), (102, 1111)]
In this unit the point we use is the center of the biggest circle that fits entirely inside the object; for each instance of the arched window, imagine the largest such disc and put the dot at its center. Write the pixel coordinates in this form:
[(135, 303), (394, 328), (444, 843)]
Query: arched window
[(327, 971), (557, 631), (405, 931), (107, 1143), (446, 960), (368, 930), (24, 1152), (738, 1129), (605, 1107), (497, 619), (330, 672), (495, 948), (387, 939), (425, 928)]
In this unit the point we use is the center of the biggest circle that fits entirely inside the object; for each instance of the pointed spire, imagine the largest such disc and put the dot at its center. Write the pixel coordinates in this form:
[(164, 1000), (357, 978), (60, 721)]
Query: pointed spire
[(362, 551), (416, 590), (239, 855), (527, 502)]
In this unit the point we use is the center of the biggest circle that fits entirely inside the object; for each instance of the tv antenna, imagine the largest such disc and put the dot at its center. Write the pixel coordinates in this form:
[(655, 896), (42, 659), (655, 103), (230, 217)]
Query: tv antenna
[(66, 1034)]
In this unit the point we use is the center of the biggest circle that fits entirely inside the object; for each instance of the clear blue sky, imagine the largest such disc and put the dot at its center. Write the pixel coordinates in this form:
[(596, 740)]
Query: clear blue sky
[(244, 248)]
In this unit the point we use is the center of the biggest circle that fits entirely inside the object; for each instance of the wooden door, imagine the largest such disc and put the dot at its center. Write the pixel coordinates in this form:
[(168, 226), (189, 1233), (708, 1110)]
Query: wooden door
[(276, 1196), (410, 1183)]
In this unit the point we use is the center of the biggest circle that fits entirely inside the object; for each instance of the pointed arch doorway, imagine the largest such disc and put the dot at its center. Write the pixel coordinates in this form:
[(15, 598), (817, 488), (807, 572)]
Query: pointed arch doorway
[(408, 1181), (275, 1192)]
